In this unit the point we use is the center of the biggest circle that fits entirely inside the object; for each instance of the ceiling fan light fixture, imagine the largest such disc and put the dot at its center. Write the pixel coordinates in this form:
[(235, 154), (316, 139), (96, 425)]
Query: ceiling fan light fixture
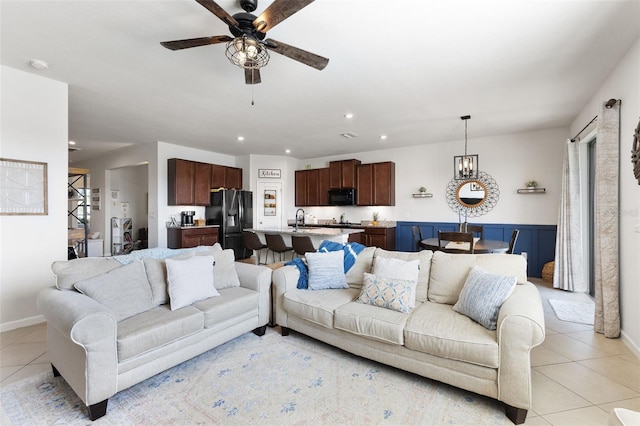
[(247, 53)]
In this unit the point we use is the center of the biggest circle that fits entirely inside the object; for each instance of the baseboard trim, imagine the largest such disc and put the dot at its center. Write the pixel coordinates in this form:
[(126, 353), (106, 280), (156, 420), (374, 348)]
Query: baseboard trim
[(630, 344), (25, 322)]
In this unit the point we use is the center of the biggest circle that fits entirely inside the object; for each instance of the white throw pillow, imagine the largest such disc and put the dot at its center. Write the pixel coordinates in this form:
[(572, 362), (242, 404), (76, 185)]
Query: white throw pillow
[(482, 296), (125, 290), (157, 275), (408, 270), (224, 268), (190, 280), (389, 293), (326, 270)]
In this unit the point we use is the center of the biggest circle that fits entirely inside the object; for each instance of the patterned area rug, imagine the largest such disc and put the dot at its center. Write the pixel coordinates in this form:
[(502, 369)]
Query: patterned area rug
[(267, 380), (581, 312)]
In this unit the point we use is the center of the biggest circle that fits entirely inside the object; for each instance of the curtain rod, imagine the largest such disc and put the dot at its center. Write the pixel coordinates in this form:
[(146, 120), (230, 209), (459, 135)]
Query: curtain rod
[(610, 103)]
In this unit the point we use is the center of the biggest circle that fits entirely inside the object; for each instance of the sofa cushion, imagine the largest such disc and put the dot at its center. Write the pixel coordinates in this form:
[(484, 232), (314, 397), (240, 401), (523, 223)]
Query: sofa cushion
[(156, 270), (425, 267), (372, 322), (434, 328), (156, 327), (363, 264), (483, 294), (233, 302), (125, 290), (387, 267), (326, 270), (190, 280), (449, 272), (388, 293), (224, 269), (69, 272), (317, 306)]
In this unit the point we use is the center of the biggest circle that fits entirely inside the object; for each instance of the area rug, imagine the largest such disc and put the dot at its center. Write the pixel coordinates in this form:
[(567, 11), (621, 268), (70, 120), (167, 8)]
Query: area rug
[(265, 380), (580, 312)]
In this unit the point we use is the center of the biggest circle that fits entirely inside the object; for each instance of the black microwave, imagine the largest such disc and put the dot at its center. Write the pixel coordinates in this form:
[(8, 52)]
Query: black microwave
[(342, 197)]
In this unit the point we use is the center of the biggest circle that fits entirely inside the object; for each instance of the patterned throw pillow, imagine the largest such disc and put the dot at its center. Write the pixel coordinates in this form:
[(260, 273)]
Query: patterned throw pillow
[(482, 296), (326, 270), (389, 267), (386, 293)]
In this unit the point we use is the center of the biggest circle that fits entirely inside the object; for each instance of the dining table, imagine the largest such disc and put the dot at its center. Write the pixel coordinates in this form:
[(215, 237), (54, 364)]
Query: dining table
[(481, 246)]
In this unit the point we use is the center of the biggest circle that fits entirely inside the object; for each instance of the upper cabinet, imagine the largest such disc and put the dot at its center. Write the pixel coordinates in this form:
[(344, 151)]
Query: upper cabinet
[(226, 177), (342, 174), (376, 184), (312, 187), (190, 182)]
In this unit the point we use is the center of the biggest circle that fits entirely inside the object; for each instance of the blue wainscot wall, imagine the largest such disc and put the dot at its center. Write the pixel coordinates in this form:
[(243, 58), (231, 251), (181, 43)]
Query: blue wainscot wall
[(538, 241)]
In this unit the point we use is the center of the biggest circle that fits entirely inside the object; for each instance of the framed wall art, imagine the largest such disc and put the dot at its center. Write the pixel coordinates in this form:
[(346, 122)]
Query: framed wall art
[(23, 187)]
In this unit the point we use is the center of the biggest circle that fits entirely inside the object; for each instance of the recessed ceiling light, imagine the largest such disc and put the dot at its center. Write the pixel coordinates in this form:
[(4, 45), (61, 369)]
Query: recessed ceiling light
[(348, 115), (240, 138), (38, 64), (383, 137), (288, 151), (72, 143)]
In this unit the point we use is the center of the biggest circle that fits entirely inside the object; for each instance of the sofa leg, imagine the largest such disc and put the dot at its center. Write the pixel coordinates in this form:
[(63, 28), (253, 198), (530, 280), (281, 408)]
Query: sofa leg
[(97, 410), (284, 331), (260, 330), (516, 415), (56, 373)]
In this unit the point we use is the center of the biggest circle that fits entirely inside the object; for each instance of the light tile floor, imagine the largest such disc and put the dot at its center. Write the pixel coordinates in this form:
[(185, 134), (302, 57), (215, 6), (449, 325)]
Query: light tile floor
[(578, 376)]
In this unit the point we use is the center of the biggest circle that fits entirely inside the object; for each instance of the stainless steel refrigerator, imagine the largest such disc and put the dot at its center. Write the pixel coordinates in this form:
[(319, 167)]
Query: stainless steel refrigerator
[(232, 210)]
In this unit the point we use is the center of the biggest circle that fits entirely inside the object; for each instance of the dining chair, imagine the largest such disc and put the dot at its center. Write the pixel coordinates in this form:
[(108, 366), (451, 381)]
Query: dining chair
[(456, 237), (275, 244), (417, 236), (302, 244), (476, 230), (512, 241), (252, 242)]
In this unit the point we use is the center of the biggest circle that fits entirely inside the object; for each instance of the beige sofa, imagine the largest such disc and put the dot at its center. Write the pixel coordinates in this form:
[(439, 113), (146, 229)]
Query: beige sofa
[(99, 352), (432, 340)]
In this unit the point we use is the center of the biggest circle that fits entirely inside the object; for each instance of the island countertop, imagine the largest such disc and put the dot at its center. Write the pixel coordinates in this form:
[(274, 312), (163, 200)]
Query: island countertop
[(311, 231)]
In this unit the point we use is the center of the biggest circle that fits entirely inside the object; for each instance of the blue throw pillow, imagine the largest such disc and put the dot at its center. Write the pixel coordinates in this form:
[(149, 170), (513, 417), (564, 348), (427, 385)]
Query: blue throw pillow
[(326, 270), (482, 296), (350, 250)]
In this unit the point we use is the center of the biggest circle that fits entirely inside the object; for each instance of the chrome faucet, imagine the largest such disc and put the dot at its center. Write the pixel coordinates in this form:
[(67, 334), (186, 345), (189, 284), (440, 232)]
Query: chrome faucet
[(297, 217)]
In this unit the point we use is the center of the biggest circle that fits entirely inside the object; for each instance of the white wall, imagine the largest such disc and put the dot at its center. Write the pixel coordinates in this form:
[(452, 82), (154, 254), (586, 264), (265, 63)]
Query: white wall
[(33, 127), (623, 83), (132, 182), (510, 159)]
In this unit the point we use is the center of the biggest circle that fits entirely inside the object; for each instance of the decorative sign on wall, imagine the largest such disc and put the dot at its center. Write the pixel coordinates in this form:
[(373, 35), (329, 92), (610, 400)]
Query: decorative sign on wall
[(270, 202), (269, 173), (23, 187)]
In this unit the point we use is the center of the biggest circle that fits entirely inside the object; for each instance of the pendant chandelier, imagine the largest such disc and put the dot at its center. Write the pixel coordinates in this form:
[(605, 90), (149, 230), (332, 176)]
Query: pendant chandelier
[(465, 166)]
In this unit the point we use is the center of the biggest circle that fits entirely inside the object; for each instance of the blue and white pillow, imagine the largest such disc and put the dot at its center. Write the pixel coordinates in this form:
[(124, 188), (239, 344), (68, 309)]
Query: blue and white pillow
[(326, 270), (482, 296), (389, 293)]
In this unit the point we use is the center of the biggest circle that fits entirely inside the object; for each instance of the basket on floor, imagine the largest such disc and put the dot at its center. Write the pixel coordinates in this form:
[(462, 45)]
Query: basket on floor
[(547, 271)]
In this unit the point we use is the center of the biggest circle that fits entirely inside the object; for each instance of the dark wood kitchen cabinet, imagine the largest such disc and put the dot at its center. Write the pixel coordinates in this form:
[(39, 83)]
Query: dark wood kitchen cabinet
[(301, 188), (202, 184), (192, 237), (312, 187), (323, 186), (342, 174), (234, 178), (226, 177), (181, 182), (376, 184), (385, 238)]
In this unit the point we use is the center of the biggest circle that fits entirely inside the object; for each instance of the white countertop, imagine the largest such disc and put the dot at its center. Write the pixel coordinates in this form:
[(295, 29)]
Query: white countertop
[(320, 232)]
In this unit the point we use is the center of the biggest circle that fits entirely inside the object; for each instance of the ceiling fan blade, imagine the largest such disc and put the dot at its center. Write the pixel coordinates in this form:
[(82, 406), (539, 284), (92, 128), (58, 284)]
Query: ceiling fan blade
[(195, 42), (277, 12), (214, 8), (316, 61), (252, 76)]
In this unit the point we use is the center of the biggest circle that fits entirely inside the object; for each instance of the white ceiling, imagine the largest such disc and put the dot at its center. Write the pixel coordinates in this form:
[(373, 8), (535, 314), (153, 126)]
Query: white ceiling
[(408, 69)]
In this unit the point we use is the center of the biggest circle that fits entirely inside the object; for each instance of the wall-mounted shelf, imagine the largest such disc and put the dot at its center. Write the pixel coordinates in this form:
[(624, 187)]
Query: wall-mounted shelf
[(422, 195), (531, 191)]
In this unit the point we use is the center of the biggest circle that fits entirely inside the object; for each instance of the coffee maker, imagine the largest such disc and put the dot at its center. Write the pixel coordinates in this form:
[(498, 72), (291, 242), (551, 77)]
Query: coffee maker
[(186, 218)]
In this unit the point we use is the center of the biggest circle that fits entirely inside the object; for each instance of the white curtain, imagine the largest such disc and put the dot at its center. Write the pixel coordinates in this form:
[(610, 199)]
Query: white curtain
[(607, 313), (568, 274)]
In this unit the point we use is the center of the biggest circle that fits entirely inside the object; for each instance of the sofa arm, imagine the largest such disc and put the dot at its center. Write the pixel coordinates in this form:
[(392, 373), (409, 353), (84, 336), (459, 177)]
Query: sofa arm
[(520, 328), (284, 279), (81, 342), (257, 278)]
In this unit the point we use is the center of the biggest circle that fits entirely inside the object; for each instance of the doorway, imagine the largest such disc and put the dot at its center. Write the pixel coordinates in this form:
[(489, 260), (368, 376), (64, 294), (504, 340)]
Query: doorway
[(270, 204)]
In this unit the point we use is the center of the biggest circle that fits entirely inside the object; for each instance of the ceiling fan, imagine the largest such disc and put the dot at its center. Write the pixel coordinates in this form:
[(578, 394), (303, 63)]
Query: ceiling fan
[(248, 48)]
